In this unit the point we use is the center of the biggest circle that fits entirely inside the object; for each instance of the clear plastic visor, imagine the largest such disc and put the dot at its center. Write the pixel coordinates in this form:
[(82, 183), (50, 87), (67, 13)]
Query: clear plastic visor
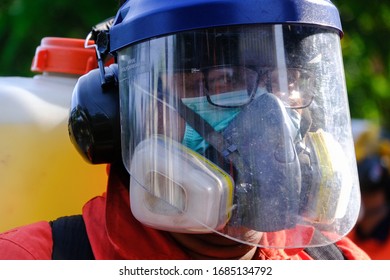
[(242, 131)]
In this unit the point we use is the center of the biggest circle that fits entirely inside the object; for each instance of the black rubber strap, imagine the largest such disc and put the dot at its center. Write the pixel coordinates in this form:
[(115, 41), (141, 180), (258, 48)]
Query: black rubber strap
[(215, 139), (327, 252)]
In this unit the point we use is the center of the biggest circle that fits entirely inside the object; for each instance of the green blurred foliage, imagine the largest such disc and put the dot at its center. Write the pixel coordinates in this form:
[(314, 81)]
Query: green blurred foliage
[(366, 53), (23, 23)]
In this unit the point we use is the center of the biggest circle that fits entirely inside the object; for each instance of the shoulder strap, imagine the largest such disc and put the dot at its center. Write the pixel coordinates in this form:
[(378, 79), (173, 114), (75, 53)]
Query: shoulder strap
[(328, 252), (70, 239)]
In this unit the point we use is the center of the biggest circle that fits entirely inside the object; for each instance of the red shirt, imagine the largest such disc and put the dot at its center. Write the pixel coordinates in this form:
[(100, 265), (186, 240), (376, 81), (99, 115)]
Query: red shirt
[(376, 249)]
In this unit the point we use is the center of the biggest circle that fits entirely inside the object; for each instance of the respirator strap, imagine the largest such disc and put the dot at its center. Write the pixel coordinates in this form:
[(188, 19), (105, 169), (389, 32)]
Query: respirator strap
[(215, 139)]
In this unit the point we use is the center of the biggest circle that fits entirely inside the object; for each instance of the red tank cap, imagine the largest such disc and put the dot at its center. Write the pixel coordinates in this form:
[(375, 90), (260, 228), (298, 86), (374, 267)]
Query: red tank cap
[(64, 55)]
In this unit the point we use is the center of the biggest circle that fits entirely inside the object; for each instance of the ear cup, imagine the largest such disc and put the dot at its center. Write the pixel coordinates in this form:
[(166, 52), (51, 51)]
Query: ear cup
[(93, 124)]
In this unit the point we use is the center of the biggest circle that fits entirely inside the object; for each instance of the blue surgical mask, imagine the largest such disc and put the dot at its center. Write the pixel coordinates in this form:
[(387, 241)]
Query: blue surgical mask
[(218, 117), (294, 123)]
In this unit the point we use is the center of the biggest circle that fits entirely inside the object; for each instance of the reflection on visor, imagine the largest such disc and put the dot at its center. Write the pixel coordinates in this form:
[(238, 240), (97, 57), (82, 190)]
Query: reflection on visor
[(298, 85), (215, 81)]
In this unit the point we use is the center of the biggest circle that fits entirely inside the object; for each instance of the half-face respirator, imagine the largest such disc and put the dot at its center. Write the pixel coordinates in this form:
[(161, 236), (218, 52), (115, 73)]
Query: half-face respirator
[(229, 127)]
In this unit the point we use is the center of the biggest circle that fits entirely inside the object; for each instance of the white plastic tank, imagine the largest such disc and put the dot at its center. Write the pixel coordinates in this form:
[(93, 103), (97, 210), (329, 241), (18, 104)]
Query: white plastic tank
[(42, 176)]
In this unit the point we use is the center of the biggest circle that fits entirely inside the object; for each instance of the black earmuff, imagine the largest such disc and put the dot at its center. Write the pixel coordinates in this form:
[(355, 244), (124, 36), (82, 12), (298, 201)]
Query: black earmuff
[(93, 125)]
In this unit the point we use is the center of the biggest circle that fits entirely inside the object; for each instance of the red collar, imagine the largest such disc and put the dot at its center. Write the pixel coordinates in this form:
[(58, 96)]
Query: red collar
[(124, 237)]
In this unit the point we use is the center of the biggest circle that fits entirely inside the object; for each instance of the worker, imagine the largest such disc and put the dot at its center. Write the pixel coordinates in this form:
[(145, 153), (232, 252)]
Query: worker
[(227, 130)]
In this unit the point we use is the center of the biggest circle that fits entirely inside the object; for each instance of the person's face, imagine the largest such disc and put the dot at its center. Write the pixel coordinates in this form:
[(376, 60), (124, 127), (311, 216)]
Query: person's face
[(213, 81), (291, 86)]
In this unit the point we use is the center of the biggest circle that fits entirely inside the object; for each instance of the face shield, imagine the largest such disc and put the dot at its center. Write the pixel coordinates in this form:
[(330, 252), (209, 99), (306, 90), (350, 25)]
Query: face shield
[(238, 130)]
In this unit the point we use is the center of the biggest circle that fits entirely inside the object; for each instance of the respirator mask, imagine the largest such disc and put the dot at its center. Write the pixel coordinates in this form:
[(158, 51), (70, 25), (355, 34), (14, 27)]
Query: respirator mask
[(235, 129)]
